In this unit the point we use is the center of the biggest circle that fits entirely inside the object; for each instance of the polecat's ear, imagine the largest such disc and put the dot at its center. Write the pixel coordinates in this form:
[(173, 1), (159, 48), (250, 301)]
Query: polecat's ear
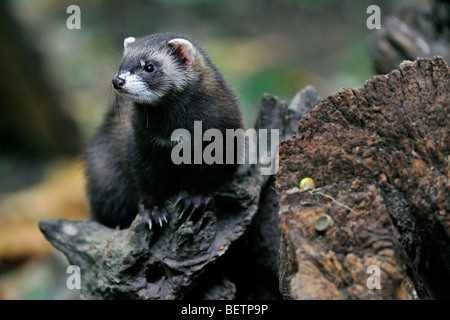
[(127, 42), (184, 49)]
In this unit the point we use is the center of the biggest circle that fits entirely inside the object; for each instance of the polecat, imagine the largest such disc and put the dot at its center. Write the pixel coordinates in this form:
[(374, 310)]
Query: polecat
[(165, 82)]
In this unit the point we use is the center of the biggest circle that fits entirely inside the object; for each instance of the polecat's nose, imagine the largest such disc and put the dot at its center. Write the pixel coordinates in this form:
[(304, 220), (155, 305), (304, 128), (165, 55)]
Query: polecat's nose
[(118, 83)]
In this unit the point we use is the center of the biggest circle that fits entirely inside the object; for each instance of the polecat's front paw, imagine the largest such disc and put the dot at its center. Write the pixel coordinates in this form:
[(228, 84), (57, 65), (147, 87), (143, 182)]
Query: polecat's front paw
[(190, 204), (155, 214)]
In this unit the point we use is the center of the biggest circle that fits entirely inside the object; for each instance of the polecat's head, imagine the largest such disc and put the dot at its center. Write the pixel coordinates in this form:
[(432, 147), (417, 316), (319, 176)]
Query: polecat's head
[(155, 65)]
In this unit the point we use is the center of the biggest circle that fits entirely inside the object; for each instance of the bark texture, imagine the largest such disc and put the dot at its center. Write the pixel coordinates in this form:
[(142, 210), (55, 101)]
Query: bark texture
[(227, 253), (380, 159), (380, 155)]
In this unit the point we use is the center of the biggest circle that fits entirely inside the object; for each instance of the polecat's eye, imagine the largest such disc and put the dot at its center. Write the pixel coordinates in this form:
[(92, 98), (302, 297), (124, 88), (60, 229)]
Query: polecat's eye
[(149, 67)]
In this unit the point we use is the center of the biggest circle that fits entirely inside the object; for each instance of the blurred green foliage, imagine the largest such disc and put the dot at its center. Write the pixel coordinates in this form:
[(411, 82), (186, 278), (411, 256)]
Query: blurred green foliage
[(318, 42)]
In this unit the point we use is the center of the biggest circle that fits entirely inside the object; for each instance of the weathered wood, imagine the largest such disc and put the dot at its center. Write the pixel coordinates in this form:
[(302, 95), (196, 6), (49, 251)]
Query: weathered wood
[(383, 150), (380, 151), (201, 259), (419, 31)]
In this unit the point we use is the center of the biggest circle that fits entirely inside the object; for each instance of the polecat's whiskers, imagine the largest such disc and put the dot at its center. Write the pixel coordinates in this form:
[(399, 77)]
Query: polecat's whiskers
[(130, 168)]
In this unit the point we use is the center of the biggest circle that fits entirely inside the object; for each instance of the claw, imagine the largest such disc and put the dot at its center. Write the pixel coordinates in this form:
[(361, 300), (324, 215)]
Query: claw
[(179, 198), (182, 212), (157, 215), (207, 202), (194, 208), (192, 203), (149, 222), (190, 214)]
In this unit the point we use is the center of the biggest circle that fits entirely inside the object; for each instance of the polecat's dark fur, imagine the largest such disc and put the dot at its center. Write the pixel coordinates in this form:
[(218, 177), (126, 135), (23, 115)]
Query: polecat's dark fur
[(165, 82)]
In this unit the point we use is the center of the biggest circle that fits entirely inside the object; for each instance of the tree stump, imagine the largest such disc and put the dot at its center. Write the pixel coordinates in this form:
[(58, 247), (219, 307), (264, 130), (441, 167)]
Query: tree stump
[(381, 157), (229, 253)]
